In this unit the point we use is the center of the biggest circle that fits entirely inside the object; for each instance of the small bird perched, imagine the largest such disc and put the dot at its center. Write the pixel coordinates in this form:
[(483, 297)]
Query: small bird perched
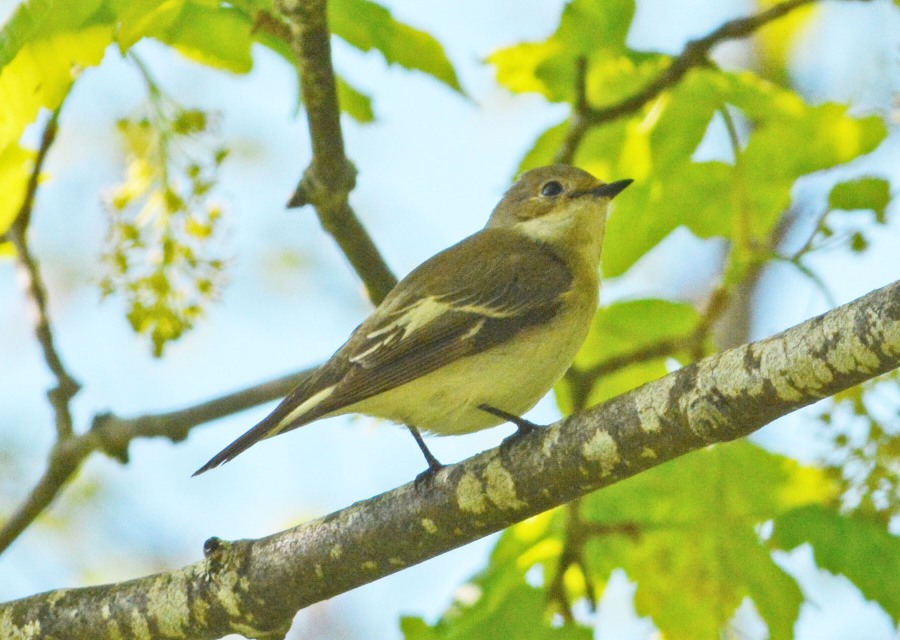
[(475, 335)]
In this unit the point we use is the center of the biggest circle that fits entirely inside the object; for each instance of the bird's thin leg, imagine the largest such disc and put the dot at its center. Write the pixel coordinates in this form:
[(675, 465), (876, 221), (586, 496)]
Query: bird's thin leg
[(524, 426), (433, 463)]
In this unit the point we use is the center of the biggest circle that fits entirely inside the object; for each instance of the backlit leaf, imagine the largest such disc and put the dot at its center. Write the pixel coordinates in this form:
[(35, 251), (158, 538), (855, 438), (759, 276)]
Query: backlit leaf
[(367, 25), (861, 193), (852, 546), (590, 29), (686, 531), (14, 173), (212, 35), (698, 556), (623, 329)]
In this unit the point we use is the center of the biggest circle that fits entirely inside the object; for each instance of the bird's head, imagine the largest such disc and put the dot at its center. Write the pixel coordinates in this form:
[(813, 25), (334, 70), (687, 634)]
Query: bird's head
[(558, 205)]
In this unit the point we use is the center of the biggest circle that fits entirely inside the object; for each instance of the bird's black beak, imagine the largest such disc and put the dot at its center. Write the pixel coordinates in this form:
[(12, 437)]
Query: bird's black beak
[(611, 190)]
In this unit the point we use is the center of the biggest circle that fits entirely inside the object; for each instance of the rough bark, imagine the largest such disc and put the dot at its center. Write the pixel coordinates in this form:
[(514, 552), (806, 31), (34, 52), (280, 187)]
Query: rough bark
[(254, 587)]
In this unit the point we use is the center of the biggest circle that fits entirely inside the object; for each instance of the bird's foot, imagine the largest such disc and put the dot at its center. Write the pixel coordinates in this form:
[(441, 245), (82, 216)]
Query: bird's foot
[(424, 479), (523, 426)]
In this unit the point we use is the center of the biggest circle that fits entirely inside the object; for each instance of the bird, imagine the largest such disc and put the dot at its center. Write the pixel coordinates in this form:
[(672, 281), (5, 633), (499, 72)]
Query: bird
[(477, 334)]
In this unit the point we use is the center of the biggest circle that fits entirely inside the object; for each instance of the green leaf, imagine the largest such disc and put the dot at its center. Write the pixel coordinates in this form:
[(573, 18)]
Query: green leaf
[(139, 18), (41, 73), (697, 555), (713, 198), (862, 193), (819, 137), (43, 46), (855, 547), (498, 603), (591, 29), (14, 175), (686, 531), (357, 104), (622, 329), (519, 615), (41, 20), (366, 25), (212, 35)]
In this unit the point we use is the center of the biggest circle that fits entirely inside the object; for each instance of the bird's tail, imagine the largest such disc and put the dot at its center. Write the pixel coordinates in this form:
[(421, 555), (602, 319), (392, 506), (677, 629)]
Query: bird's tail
[(247, 440), (282, 418)]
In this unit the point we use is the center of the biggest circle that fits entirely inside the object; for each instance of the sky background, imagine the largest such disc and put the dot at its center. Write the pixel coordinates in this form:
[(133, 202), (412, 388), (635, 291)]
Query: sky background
[(432, 166)]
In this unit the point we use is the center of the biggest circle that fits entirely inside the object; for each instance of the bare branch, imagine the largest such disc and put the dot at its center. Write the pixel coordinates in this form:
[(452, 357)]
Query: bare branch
[(328, 180), (113, 435), (65, 459), (66, 386), (579, 121), (254, 587), (694, 54)]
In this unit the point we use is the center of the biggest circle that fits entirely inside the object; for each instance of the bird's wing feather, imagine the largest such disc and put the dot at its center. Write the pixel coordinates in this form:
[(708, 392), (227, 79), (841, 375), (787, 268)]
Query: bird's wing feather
[(458, 303)]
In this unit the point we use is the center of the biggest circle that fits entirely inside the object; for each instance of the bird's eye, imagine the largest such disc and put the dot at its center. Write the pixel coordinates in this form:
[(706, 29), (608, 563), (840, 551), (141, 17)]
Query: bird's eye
[(552, 188)]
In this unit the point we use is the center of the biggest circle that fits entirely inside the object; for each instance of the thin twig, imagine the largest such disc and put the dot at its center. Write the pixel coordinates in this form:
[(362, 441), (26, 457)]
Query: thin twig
[(582, 381), (66, 386), (330, 177), (694, 54), (112, 435), (64, 461), (579, 123)]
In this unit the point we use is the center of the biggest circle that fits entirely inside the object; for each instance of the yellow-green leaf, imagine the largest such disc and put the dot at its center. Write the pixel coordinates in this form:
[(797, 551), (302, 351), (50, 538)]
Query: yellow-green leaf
[(41, 73), (355, 103), (367, 25), (623, 329), (40, 20), (686, 531), (697, 555), (657, 145), (14, 173), (861, 193), (216, 36), (588, 28), (852, 546), (140, 18)]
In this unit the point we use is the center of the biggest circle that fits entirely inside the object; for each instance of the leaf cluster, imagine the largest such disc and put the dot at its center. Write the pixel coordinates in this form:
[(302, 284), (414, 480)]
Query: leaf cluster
[(162, 252)]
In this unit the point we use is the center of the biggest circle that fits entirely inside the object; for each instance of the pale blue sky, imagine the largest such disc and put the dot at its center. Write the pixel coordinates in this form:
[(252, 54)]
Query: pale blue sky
[(431, 169)]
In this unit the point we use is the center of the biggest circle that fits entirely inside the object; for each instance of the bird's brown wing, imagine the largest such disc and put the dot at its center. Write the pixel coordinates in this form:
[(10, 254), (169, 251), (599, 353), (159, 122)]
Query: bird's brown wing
[(460, 302)]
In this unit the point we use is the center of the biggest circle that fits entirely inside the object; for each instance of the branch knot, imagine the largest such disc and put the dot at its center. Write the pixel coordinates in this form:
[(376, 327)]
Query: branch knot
[(327, 193)]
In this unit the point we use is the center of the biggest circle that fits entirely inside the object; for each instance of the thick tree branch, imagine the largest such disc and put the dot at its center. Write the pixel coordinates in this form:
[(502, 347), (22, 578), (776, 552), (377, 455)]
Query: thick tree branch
[(694, 54), (328, 180), (254, 587)]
